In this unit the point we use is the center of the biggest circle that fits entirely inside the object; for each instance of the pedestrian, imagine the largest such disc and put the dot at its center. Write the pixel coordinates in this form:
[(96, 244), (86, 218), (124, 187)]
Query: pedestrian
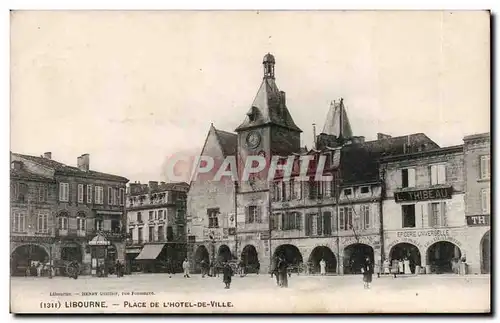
[(185, 267), (367, 271), (203, 268), (118, 268), (406, 264), (401, 266), (257, 267), (283, 273), (386, 266), (322, 266), (227, 273), (170, 268)]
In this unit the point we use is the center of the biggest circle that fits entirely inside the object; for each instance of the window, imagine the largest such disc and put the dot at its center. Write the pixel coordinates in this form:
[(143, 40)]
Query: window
[(438, 174), (365, 216), (89, 193), (151, 234), (165, 214), (170, 233), (291, 221), (327, 223), (345, 218), (297, 190), (115, 226), (22, 192), (161, 234), (314, 224), (63, 192), (347, 191), (19, 224), (80, 193), (213, 218), (131, 234), (365, 189), (160, 214), (139, 217), (437, 214), (63, 223), (110, 196), (408, 215), (287, 192), (42, 193), (43, 223), (253, 214), (327, 188), (99, 224), (485, 201), (81, 224), (99, 196), (313, 190), (122, 196), (484, 167), (277, 192), (151, 214), (139, 235), (275, 220), (408, 177)]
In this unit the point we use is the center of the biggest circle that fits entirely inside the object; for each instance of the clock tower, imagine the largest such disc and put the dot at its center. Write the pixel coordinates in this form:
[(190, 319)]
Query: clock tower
[(268, 128)]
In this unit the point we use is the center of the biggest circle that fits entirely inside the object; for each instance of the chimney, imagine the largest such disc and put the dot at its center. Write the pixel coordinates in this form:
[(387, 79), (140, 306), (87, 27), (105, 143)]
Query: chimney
[(83, 162), (153, 185), (47, 155)]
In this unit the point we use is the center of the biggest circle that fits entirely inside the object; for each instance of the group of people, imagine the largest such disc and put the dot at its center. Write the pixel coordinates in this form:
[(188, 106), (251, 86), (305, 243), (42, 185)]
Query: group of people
[(280, 271), (399, 266)]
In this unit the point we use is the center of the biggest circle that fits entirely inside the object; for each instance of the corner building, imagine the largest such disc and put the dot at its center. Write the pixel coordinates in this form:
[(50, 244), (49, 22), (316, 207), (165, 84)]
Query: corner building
[(477, 152), (423, 212)]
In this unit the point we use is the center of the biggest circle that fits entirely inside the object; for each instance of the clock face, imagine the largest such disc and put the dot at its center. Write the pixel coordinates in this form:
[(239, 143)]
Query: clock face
[(253, 139)]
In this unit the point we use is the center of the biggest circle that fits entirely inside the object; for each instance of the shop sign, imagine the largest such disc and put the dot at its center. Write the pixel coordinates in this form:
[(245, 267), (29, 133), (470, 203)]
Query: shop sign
[(423, 233), (424, 195), (439, 239), (404, 240), (478, 220)]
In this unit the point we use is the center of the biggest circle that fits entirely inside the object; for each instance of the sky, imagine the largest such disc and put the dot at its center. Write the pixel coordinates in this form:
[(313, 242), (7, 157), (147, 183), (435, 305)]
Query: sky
[(133, 88)]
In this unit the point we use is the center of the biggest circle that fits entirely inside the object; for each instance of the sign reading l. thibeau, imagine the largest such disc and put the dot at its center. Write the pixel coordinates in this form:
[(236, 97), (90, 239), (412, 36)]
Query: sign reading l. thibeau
[(477, 220), (424, 195)]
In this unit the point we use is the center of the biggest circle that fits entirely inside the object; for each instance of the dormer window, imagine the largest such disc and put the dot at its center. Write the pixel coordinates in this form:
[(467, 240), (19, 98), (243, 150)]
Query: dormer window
[(252, 114)]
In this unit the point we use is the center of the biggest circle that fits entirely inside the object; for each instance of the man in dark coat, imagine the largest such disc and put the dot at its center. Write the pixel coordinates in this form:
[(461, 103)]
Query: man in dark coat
[(203, 265), (227, 273), (367, 271), (283, 272)]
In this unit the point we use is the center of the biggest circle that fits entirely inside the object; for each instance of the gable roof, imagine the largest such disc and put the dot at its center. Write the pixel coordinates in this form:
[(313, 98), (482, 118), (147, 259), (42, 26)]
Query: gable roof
[(27, 175), (228, 142), (269, 107), (64, 169)]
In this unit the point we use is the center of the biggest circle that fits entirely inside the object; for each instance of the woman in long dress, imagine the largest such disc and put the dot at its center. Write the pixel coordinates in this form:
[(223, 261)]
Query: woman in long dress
[(401, 266), (322, 266), (407, 266)]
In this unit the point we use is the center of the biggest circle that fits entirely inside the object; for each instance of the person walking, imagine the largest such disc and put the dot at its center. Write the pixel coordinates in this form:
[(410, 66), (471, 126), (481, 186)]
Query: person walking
[(257, 267), (118, 268), (283, 273), (185, 267), (401, 266), (386, 266), (203, 268), (367, 271), (322, 267), (170, 268), (227, 273)]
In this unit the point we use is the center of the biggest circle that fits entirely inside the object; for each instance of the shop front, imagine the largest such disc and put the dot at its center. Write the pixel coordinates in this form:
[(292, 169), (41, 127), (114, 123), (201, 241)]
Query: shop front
[(102, 254), (436, 250)]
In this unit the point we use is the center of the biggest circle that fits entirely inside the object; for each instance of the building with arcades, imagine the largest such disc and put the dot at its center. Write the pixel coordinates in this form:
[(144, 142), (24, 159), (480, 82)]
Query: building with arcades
[(255, 220), (73, 206), (423, 209), (477, 172)]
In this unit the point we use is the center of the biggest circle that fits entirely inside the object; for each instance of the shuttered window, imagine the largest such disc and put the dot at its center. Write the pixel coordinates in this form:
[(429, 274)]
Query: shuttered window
[(484, 167), (80, 193), (63, 192), (89, 193), (42, 223), (327, 223), (485, 201)]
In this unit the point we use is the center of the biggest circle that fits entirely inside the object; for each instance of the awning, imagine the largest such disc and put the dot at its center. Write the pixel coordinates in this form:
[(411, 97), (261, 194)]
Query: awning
[(150, 252)]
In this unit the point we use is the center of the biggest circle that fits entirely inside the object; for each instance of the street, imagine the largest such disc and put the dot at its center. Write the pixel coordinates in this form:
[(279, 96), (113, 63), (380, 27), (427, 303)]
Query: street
[(306, 294)]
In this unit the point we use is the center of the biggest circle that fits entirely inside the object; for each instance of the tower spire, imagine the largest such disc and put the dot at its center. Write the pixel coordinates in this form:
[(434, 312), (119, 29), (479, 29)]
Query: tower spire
[(268, 63)]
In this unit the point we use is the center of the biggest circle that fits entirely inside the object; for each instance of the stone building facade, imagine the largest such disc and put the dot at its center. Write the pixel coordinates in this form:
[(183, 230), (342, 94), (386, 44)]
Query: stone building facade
[(254, 219), (156, 224), (477, 171), (87, 204), (423, 208)]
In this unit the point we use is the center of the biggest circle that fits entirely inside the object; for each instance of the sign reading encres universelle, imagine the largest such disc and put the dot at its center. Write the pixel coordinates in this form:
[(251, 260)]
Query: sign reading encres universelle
[(424, 195)]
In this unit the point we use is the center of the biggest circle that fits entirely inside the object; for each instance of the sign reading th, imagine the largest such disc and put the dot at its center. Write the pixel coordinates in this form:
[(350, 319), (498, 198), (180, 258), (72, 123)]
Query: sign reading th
[(478, 220), (424, 195)]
